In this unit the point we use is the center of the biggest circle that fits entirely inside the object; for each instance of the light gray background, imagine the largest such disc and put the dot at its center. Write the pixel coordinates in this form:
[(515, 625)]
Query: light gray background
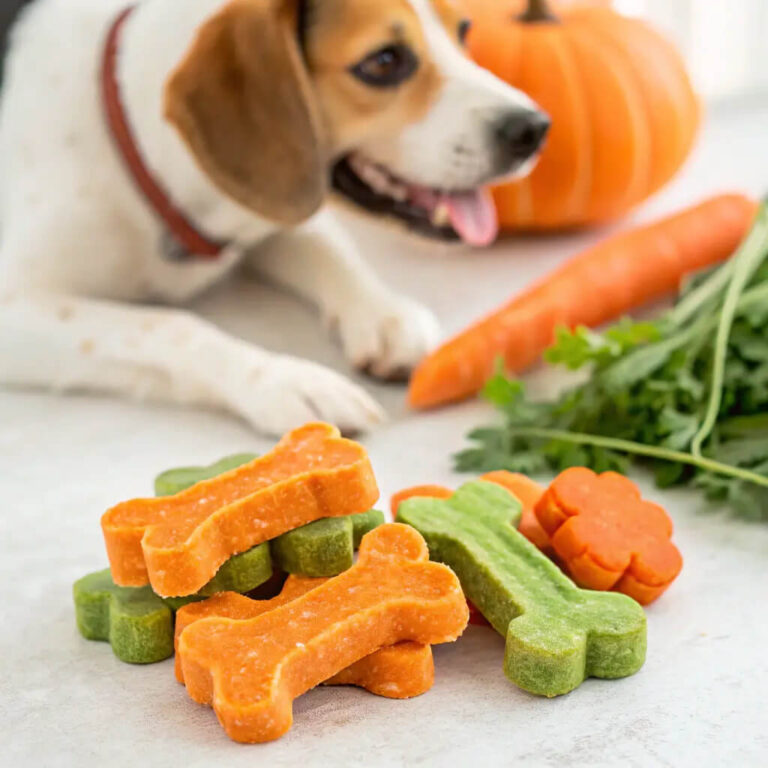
[(699, 701)]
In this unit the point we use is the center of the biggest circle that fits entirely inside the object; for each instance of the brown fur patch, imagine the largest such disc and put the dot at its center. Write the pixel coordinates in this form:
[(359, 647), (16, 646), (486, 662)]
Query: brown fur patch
[(452, 13), (243, 103), (264, 125), (342, 33)]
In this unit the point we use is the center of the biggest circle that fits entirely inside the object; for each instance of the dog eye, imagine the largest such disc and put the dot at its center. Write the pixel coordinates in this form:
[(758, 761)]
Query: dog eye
[(387, 67), (465, 25)]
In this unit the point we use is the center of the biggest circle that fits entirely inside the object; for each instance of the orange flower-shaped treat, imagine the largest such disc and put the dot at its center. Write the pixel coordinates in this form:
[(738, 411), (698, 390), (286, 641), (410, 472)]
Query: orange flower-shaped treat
[(397, 672), (250, 671), (177, 543), (607, 536)]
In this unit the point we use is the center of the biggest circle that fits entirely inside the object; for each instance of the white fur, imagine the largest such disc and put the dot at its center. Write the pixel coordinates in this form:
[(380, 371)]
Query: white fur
[(78, 241), (449, 147)]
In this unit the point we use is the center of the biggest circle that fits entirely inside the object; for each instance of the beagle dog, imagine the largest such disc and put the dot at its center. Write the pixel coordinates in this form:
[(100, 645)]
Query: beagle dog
[(147, 150)]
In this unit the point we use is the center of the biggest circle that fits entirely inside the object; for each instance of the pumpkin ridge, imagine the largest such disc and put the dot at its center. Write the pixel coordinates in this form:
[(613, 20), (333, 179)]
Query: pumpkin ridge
[(554, 50), (587, 156), (682, 108), (645, 184), (624, 112), (614, 111)]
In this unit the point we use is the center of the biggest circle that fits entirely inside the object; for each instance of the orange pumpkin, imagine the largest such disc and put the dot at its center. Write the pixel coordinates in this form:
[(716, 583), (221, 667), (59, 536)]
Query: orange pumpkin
[(624, 113)]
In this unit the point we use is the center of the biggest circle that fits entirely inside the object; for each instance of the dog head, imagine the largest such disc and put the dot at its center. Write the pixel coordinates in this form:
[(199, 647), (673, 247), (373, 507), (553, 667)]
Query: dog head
[(280, 99)]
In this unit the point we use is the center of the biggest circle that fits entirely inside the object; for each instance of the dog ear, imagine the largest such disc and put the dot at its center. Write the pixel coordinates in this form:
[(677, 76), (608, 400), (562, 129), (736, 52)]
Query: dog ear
[(242, 101)]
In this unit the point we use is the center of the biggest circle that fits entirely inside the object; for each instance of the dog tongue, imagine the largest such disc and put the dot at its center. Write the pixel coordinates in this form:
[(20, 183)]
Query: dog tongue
[(473, 215)]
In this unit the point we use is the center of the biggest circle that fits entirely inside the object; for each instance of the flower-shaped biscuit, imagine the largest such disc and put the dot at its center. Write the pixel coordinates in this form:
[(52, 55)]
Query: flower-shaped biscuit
[(608, 536)]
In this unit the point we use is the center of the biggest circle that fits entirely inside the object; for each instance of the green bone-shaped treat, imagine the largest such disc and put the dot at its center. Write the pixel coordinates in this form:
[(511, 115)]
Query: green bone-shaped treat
[(320, 549), (241, 573), (557, 634), (364, 523), (134, 620), (325, 547), (139, 624)]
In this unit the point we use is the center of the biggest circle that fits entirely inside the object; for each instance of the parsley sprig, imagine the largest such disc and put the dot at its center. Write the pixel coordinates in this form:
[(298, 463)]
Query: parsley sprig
[(687, 393)]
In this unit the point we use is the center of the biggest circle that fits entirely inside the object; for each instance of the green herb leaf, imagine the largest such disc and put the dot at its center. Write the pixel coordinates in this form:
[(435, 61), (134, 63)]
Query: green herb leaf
[(687, 394)]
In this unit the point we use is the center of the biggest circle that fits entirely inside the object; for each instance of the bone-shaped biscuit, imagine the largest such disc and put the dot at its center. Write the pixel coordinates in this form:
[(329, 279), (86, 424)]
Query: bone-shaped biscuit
[(179, 542), (134, 620), (557, 634), (137, 623), (174, 481), (252, 670), (320, 549), (326, 547), (400, 671)]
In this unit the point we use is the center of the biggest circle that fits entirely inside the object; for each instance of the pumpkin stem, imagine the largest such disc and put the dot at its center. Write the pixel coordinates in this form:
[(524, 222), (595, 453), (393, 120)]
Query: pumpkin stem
[(538, 11)]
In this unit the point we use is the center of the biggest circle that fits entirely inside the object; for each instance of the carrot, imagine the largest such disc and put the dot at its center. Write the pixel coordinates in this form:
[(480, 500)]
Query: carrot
[(598, 285)]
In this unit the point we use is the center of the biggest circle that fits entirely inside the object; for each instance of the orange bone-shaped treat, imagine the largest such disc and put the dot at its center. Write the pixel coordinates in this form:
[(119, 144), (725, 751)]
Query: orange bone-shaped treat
[(607, 536), (398, 672), (177, 543), (252, 670)]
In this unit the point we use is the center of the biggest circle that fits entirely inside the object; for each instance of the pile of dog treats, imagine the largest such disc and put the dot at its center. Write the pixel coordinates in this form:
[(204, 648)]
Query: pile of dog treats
[(247, 570)]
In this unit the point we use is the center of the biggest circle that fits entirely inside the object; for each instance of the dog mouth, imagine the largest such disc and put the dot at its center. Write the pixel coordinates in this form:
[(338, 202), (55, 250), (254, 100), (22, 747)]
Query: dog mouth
[(466, 215)]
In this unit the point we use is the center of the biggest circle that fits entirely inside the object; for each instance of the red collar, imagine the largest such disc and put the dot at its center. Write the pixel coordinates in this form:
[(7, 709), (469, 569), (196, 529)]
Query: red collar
[(183, 231)]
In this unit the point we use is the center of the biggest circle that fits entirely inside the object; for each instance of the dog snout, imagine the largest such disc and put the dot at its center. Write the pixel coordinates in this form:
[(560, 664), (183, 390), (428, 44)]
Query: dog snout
[(520, 134)]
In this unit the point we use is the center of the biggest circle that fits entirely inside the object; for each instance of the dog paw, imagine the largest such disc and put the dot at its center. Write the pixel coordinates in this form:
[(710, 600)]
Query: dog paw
[(289, 392), (385, 336)]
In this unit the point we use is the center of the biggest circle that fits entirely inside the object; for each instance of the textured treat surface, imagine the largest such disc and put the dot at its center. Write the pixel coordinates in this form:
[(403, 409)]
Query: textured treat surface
[(608, 536), (251, 671), (400, 671), (557, 634), (134, 620), (178, 543)]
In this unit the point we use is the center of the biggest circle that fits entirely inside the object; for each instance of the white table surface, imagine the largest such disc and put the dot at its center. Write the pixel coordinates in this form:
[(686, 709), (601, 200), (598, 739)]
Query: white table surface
[(700, 700)]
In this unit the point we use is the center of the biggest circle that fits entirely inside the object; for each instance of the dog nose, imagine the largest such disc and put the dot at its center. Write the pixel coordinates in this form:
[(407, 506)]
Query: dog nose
[(523, 132)]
